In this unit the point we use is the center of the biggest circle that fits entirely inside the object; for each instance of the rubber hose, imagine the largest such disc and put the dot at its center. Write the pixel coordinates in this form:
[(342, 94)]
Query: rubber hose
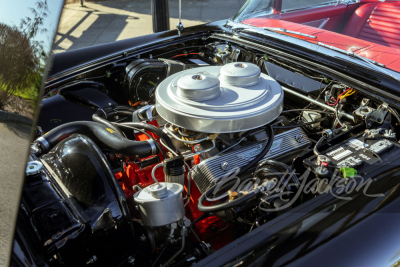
[(99, 133), (300, 124), (280, 166), (115, 110), (267, 147), (242, 199), (320, 141), (272, 163), (99, 119), (155, 130), (127, 111)]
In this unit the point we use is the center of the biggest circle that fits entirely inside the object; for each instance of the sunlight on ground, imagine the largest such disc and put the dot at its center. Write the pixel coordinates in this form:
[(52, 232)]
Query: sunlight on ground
[(104, 22)]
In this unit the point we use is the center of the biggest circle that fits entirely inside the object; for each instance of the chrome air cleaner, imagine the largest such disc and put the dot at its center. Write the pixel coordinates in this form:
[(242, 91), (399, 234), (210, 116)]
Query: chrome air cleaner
[(232, 98)]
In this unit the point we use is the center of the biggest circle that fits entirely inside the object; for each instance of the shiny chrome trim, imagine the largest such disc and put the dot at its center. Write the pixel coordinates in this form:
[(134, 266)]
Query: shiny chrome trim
[(289, 31), (153, 146), (309, 7), (209, 171), (185, 141), (44, 144)]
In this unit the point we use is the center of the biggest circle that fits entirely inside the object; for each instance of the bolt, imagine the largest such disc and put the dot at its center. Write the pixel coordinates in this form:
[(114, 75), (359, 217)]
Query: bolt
[(131, 260), (299, 137), (224, 165), (92, 260), (143, 238)]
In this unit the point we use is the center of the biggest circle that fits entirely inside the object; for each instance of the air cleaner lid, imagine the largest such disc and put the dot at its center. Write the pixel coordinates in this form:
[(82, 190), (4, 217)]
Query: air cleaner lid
[(232, 98), (240, 74), (198, 87)]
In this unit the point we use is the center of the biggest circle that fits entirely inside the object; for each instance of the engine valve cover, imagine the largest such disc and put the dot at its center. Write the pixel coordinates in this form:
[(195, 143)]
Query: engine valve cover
[(285, 147), (214, 99)]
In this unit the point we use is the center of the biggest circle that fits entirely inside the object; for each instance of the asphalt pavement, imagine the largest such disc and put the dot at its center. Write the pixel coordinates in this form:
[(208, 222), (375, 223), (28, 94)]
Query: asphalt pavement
[(14, 144), (109, 21)]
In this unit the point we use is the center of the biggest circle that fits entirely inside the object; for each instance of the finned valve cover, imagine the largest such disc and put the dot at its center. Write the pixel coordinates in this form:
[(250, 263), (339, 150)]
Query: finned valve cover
[(232, 98)]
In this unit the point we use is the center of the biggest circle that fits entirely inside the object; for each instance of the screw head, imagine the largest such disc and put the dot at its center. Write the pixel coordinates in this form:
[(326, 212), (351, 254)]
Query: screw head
[(225, 166), (299, 137), (143, 238), (131, 260)]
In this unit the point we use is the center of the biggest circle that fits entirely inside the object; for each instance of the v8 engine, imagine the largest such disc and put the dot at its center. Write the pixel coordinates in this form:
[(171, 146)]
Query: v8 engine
[(198, 155)]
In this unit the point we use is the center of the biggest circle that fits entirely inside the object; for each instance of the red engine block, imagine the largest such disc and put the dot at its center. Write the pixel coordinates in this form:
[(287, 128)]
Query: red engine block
[(211, 230)]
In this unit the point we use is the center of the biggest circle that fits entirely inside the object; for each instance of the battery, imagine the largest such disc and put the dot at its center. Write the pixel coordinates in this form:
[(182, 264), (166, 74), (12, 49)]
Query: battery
[(364, 155)]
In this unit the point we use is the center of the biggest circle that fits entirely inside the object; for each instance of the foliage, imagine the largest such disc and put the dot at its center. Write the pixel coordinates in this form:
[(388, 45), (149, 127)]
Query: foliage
[(22, 57), (18, 62), (32, 26)]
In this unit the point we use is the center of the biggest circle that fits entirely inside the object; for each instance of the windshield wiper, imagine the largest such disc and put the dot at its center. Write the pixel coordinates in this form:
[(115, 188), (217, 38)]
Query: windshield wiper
[(374, 64), (371, 62), (271, 29), (289, 31), (352, 54)]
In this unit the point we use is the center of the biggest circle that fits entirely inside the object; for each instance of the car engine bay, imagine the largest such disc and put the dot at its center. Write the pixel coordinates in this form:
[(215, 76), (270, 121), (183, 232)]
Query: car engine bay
[(162, 159)]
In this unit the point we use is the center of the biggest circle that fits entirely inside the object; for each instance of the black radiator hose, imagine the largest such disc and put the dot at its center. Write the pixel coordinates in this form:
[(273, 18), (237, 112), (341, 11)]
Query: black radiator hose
[(153, 129), (99, 133), (270, 134), (99, 119), (115, 110), (242, 199), (128, 111)]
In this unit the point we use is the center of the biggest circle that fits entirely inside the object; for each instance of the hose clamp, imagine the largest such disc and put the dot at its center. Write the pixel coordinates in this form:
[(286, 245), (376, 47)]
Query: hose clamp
[(105, 114), (328, 133), (44, 144), (153, 146)]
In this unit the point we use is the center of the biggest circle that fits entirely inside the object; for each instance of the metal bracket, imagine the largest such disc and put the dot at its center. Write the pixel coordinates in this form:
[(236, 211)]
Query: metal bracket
[(377, 116), (227, 56), (372, 115)]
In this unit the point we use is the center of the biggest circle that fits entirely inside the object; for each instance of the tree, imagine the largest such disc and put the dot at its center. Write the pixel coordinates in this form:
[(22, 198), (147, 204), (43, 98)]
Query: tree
[(32, 26), (22, 58), (18, 63)]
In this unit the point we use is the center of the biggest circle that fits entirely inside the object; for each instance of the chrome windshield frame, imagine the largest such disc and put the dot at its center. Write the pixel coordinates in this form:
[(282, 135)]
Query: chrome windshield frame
[(290, 10)]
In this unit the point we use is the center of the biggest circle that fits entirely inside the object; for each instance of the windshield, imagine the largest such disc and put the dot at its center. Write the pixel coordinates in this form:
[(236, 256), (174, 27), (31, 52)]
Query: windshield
[(253, 8), (336, 25)]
